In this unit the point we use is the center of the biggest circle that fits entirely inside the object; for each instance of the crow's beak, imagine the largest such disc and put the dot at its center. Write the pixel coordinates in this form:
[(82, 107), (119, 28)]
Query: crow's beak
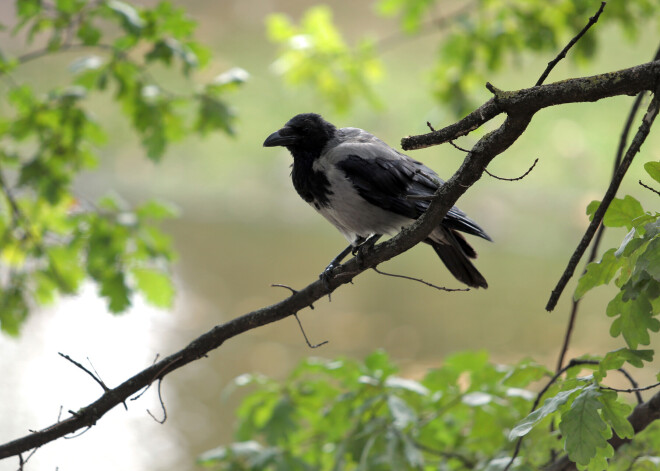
[(284, 137)]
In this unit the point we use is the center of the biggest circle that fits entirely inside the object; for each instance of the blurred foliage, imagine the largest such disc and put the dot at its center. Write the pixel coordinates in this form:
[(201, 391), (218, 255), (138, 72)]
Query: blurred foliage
[(315, 53), (469, 413), (51, 239), (475, 39), (466, 414)]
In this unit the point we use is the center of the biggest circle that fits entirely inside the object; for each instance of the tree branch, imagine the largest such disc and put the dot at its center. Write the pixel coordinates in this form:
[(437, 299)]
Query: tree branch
[(530, 100), (562, 54), (519, 106), (633, 149)]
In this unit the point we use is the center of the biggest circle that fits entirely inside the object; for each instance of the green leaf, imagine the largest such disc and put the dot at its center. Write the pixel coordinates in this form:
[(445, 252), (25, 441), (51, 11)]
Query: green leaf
[(653, 169), (214, 114), (598, 273), (155, 285), (615, 359), (157, 210), (635, 319), (114, 288), (66, 267), (621, 212), (524, 373), (592, 208), (582, 427), (89, 34), (616, 413), (13, 309), (281, 423), (379, 365), (649, 260), (467, 361), (549, 406)]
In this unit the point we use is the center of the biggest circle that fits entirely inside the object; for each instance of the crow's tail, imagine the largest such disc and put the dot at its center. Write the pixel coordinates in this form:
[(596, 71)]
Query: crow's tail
[(455, 257)]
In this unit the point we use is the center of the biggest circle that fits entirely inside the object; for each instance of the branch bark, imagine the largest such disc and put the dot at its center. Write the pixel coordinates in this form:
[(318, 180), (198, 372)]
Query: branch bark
[(530, 100), (519, 106)]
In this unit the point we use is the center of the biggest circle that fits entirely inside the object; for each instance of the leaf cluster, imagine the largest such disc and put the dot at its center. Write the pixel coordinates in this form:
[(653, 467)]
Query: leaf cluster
[(634, 267), (476, 39), (344, 414), (314, 53), (52, 239)]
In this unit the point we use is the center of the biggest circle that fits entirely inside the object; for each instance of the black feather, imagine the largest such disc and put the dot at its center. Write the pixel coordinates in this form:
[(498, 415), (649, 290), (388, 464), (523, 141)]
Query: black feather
[(459, 265), (312, 186)]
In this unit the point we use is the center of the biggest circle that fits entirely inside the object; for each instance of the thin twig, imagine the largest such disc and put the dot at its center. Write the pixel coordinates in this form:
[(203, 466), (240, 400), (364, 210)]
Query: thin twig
[(650, 188), (634, 384), (562, 54), (631, 390), (162, 405), (82, 432), (633, 149), (23, 461), (94, 377), (293, 291), (486, 170), (138, 396), (458, 147), (305, 335), (517, 178), (468, 463), (419, 280)]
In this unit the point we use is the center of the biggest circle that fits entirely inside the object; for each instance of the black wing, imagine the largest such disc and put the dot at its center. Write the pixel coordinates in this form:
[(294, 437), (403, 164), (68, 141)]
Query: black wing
[(386, 183)]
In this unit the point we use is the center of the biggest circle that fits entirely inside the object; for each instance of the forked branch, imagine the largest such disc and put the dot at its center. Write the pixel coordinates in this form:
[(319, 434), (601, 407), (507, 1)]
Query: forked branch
[(519, 106)]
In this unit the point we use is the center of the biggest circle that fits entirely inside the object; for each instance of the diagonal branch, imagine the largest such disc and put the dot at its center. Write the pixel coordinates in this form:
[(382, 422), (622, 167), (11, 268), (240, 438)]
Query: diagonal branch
[(530, 100), (562, 54), (633, 149), (623, 142), (519, 106)]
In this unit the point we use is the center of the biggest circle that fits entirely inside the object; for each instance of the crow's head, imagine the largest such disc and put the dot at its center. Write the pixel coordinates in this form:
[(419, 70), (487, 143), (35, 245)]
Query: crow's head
[(304, 133)]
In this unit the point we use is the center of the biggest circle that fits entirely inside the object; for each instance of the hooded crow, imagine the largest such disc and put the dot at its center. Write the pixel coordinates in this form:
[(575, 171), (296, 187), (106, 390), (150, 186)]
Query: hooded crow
[(367, 189)]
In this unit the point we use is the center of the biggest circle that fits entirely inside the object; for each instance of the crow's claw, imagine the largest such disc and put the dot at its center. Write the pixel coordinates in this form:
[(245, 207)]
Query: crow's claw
[(359, 255), (363, 249), (326, 275)]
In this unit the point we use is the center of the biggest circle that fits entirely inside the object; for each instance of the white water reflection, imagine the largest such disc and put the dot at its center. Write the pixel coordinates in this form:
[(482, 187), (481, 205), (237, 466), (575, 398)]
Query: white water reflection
[(37, 382)]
